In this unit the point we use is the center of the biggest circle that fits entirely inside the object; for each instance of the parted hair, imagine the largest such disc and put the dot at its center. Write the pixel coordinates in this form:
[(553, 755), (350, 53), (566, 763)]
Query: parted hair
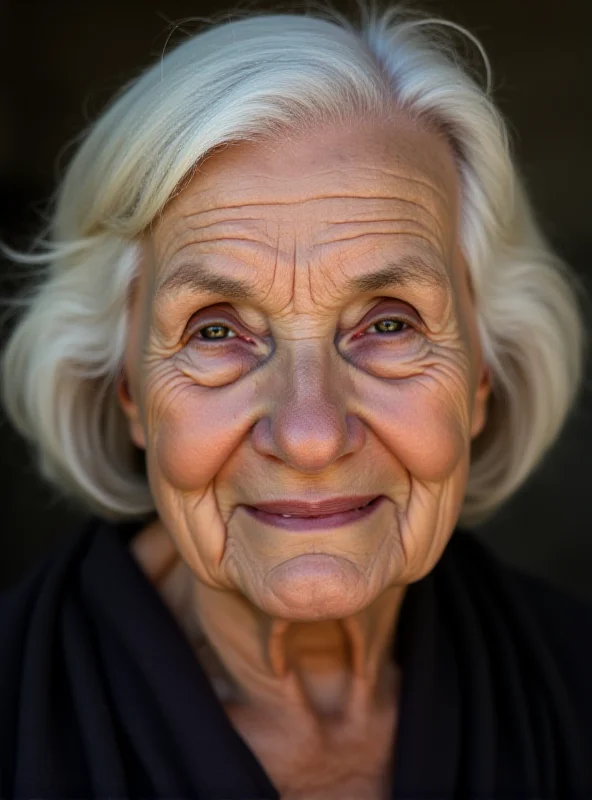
[(255, 77)]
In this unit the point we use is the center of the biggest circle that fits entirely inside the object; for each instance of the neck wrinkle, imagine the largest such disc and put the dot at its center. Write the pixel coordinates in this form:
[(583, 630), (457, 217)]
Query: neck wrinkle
[(255, 649)]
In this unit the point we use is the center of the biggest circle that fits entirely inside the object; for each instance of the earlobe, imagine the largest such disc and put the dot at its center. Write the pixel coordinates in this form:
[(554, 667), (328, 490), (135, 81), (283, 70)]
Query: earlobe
[(482, 394), (131, 411)]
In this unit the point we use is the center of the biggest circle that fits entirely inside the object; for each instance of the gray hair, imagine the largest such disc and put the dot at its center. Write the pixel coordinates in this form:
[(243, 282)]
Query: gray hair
[(247, 79)]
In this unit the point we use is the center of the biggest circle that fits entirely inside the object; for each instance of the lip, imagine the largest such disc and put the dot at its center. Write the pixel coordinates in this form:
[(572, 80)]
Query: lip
[(316, 508), (307, 516)]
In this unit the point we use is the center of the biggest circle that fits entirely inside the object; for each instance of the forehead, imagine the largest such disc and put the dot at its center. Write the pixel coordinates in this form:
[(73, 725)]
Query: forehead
[(365, 160), (331, 191)]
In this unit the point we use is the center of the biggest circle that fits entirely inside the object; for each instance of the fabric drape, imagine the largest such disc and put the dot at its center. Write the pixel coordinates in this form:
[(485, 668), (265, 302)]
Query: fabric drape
[(101, 695)]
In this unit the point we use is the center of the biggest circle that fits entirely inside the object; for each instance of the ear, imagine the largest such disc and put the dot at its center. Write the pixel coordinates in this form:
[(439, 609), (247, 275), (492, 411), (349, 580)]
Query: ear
[(482, 393), (131, 410)]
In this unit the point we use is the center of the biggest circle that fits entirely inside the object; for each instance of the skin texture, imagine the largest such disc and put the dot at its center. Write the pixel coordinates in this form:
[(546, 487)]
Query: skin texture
[(302, 398)]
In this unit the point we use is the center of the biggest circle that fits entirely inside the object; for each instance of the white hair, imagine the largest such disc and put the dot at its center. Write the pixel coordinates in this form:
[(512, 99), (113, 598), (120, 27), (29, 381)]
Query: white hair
[(263, 75)]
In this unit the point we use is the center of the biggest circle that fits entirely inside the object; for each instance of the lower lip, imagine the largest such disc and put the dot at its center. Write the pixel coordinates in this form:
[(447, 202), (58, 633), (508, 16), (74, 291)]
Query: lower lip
[(297, 524)]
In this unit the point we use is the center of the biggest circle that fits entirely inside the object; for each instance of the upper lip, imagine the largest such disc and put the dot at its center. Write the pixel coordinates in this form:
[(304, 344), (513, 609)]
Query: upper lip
[(315, 508)]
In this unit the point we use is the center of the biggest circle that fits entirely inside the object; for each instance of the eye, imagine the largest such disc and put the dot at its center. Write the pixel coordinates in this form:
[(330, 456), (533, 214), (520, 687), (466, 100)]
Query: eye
[(384, 327), (215, 331), (388, 325)]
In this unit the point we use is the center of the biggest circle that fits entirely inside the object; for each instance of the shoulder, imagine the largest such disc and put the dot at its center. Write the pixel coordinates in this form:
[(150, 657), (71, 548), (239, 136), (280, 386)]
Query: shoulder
[(34, 594), (559, 619), (49, 567), (556, 607), (566, 620), (565, 615), (30, 626), (33, 601)]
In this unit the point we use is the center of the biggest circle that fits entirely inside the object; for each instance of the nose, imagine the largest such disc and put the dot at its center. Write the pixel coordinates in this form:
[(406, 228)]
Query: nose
[(308, 426)]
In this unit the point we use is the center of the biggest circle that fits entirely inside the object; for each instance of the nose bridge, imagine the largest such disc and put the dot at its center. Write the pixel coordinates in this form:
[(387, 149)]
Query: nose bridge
[(309, 421)]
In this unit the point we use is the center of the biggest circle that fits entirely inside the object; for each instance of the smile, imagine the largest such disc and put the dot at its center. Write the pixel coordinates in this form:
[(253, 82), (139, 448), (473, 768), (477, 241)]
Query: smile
[(296, 516)]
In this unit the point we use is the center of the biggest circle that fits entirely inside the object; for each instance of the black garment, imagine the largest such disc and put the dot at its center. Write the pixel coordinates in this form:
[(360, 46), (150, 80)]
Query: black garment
[(101, 695)]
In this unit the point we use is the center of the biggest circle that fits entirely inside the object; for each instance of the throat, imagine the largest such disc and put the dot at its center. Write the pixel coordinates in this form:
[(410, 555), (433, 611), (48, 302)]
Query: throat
[(320, 655), (326, 691), (310, 665)]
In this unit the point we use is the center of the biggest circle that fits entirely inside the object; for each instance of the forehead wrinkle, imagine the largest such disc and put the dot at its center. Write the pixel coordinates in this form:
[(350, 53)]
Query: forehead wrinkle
[(299, 201), (332, 228), (436, 239), (255, 224), (334, 236), (212, 201), (431, 185), (249, 181)]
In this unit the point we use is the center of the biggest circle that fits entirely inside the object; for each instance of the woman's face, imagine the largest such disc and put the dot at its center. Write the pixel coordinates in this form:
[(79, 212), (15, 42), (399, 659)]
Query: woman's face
[(303, 330)]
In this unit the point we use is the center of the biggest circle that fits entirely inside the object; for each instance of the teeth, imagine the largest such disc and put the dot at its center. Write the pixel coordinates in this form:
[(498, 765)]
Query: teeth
[(355, 509)]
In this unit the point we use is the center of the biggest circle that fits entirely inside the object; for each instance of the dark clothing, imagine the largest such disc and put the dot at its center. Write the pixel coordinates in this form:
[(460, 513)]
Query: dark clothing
[(101, 695)]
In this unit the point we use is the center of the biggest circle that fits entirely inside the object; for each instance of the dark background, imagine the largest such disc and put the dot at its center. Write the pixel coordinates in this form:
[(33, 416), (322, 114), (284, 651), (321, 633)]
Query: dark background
[(60, 62)]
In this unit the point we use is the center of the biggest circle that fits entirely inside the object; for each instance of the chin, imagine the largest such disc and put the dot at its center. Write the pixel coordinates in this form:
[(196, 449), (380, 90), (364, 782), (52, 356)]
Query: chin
[(314, 587)]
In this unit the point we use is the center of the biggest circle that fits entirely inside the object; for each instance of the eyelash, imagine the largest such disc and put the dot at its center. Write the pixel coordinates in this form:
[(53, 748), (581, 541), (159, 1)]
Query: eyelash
[(406, 326)]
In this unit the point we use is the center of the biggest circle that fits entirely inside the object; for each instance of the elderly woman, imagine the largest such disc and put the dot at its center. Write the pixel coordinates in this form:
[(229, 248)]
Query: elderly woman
[(297, 330)]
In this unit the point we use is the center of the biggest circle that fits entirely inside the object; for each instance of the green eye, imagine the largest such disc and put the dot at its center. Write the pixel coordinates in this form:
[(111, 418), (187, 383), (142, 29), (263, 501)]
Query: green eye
[(216, 331), (388, 326)]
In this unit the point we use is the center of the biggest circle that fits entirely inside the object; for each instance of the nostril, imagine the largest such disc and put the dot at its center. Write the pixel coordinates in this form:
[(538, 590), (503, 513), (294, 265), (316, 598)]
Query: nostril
[(308, 439)]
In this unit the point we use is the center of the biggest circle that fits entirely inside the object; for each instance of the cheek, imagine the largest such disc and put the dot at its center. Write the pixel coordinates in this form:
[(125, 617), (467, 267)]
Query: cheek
[(421, 424), (199, 430)]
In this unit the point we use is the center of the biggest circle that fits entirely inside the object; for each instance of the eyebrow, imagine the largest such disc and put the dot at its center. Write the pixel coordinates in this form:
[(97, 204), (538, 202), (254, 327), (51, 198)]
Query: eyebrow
[(194, 278), (402, 272)]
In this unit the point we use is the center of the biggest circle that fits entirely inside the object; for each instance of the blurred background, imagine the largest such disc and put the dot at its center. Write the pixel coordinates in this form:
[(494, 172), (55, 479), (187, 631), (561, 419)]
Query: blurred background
[(61, 61)]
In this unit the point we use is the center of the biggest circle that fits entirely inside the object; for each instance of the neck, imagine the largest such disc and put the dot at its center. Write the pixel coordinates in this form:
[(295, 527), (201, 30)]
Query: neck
[(332, 667), (322, 663)]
